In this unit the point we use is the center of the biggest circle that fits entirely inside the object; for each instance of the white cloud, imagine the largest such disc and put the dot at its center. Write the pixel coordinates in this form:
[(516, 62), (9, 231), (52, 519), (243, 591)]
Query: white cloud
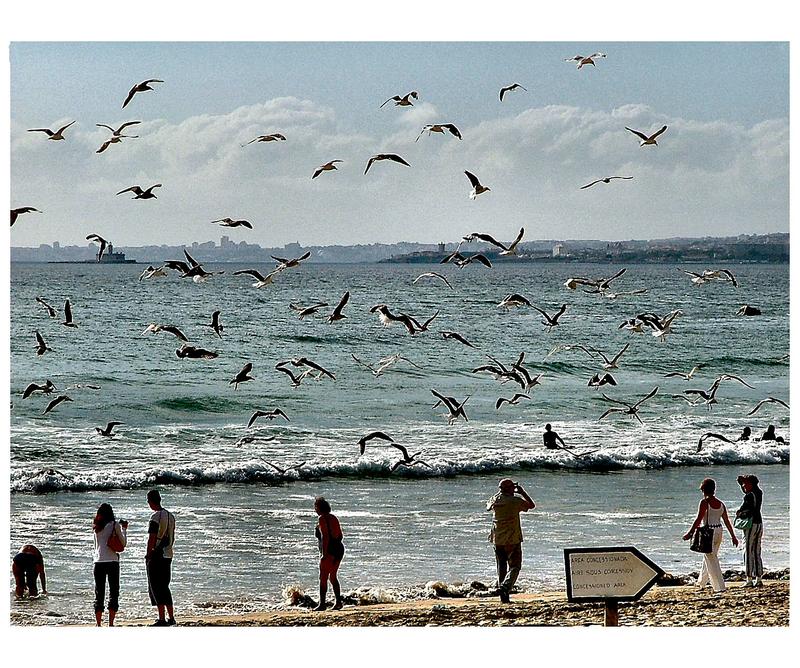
[(705, 177)]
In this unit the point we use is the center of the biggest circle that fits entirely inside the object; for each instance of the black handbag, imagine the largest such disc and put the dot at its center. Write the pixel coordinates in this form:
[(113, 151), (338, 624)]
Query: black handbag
[(702, 538)]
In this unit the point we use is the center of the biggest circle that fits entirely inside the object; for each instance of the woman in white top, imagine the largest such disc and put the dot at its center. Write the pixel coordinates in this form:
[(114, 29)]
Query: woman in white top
[(712, 512), (106, 561)]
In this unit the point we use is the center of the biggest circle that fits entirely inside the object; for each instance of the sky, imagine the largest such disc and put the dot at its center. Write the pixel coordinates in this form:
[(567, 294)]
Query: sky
[(721, 168)]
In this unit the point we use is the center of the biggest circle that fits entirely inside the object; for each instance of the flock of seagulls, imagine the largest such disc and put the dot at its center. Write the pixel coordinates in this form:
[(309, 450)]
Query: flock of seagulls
[(298, 369)]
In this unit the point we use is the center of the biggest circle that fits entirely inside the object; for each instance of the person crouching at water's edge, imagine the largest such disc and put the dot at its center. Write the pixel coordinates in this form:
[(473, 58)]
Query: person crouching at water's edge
[(506, 535), (28, 563), (331, 550)]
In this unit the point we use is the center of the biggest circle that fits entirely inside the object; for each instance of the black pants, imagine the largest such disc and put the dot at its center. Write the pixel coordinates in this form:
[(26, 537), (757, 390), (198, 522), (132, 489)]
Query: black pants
[(159, 573), (103, 570)]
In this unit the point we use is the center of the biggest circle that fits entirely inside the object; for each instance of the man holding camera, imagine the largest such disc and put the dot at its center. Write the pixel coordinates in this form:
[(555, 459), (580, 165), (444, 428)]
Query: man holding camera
[(160, 537), (506, 532)]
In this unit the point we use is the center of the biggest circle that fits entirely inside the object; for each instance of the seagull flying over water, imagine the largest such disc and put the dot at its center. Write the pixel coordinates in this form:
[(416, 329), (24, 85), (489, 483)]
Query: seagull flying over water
[(103, 244), (708, 435), (585, 60), (41, 346), (514, 400), (385, 156), (511, 249), (47, 388), (284, 263), (68, 315), (433, 274), (551, 321), (506, 89), (454, 407), (15, 213), (153, 272), (109, 428), (261, 280), (172, 329), (362, 442), (58, 135), (275, 136), (598, 381), (194, 353), (337, 312), (228, 222), (305, 361), (215, 324), (647, 140), (768, 400), (55, 402), (684, 375), (383, 363), (513, 301), (407, 460), (303, 311), (611, 363), (455, 336), (270, 415), (50, 310), (630, 409), (140, 88), (243, 376)]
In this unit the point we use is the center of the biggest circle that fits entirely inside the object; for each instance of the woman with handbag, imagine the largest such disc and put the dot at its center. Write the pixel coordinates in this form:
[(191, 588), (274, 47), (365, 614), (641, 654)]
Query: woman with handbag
[(110, 538), (749, 520), (331, 550), (711, 513)]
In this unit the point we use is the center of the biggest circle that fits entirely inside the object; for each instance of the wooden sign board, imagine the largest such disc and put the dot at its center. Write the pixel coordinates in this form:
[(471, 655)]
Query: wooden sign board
[(604, 573)]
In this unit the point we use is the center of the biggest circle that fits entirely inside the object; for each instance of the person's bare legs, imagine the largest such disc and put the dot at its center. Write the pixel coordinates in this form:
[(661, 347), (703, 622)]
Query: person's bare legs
[(111, 615), (161, 607), (98, 617), (337, 592), (170, 612)]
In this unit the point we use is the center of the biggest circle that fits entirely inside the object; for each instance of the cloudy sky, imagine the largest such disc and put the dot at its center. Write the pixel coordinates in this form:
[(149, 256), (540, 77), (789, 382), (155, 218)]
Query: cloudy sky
[(721, 168)]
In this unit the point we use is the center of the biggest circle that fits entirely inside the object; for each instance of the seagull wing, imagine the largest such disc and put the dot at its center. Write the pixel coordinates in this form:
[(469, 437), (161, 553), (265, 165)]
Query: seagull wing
[(650, 395), (255, 417), (659, 132), (401, 449), (131, 93), (133, 189), (189, 258), (250, 272), (638, 134), (472, 179), (589, 185), (172, 329), (453, 129), (67, 311), (49, 132)]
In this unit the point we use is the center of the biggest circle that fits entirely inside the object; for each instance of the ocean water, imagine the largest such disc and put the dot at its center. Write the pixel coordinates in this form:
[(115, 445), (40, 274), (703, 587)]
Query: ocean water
[(245, 531)]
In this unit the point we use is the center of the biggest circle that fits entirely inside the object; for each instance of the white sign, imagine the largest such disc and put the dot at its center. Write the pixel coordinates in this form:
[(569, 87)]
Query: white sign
[(600, 573)]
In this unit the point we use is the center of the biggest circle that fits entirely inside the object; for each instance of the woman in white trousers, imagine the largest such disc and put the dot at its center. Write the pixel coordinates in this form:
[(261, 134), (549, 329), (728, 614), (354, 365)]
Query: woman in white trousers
[(713, 513)]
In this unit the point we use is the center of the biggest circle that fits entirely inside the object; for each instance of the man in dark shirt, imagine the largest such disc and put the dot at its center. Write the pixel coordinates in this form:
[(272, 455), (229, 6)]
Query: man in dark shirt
[(161, 536), (550, 437), (27, 565)]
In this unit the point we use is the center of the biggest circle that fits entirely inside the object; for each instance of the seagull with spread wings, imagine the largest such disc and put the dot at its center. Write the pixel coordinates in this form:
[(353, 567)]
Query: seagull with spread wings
[(229, 222), (327, 167), (404, 101), (270, 415), (362, 442), (433, 274), (647, 140), (103, 244), (385, 156), (440, 128), (50, 310), (606, 179), (116, 134), (139, 193), (630, 409), (477, 187), (140, 88), (58, 135), (15, 213), (68, 322), (337, 312), (585, 60), (41, 346), (275, 136), (768, 400), (243, 376), (407, 460), (108, 430), (509, 88)]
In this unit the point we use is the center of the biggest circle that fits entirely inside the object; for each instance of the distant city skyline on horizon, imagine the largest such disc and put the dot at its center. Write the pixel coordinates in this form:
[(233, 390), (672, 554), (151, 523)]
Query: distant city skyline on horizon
[(722, 163)]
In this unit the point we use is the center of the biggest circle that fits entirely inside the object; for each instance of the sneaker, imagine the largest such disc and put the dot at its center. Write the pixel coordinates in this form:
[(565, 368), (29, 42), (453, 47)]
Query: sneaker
[(160, 622), (171, 622)]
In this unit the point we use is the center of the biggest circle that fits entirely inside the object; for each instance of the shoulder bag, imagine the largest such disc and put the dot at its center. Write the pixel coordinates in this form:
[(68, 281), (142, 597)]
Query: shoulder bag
[(114, 541), (703, 537)]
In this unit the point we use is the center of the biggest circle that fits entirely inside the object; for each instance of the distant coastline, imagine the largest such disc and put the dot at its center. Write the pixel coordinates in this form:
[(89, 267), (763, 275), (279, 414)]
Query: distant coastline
[(765, 248)]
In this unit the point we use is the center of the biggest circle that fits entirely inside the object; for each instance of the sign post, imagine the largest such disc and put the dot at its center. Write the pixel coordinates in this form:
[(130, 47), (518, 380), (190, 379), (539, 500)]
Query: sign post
[(608, 575)]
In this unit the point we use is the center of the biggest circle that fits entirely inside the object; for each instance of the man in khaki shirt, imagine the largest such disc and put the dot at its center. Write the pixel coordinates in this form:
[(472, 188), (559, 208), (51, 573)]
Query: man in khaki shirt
[(506, 533)]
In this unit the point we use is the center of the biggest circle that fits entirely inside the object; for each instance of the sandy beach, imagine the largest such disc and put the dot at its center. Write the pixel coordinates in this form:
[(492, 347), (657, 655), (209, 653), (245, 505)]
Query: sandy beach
[(662, 606)]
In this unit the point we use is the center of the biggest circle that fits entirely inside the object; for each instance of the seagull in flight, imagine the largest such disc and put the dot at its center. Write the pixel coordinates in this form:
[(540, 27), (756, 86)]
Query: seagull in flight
[(55, 402), (140, 88), (215, 324), (385, 156), (103, 244), (362, 442), (275, 136), (710, 434), (630, 409), (647, 140), (108, 430), (47, 388), (243, 376), (768, 400), (404, 101), (511, 249), (116, 134), (283, 471), (514, 301), (433, 274), (440, 127), (552, 321), (304, 361), (506, 89), (598, 381), (606, 179), (303, 311), (172, 329), (337, 312), (383, 363), (585, 60), (153, 272), (407, 460), (261, 280), (514, 400), (296, 379), (598, 284), (50, 310), (284, 263), (477, 188), (611, 363), (15, 213), (139, 193), (68, 315), (58, 135), (682, 374), (454, 407), (41, 346), (228, 222), (270, 415), (461, 261), (327, 167), (455, 336)]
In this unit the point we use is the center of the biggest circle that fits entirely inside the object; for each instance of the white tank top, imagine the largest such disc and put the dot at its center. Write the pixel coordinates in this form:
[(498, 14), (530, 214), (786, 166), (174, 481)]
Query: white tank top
[(714, 515)]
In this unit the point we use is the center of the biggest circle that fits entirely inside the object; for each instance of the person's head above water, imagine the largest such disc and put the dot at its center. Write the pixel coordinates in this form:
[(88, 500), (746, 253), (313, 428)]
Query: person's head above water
[(746, 431), (771, 429), (507, 486), (547, 427)]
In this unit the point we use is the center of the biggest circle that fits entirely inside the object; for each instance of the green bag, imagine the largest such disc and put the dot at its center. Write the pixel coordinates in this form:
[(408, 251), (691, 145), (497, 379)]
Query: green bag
[(743, 523)]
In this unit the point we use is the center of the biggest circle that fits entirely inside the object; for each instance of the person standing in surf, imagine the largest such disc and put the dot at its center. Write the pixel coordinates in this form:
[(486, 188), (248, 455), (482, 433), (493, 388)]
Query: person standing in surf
[(751, 510), (161, 536), (106, 561), (550, 439), (331, 550), (506, 534)]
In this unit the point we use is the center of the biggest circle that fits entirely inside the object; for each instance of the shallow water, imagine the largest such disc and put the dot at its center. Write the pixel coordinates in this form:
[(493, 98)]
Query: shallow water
[(245, 530)]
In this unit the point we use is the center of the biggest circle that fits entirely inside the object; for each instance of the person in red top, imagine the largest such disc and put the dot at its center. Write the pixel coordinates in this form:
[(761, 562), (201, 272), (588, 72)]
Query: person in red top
[(331, 550)]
